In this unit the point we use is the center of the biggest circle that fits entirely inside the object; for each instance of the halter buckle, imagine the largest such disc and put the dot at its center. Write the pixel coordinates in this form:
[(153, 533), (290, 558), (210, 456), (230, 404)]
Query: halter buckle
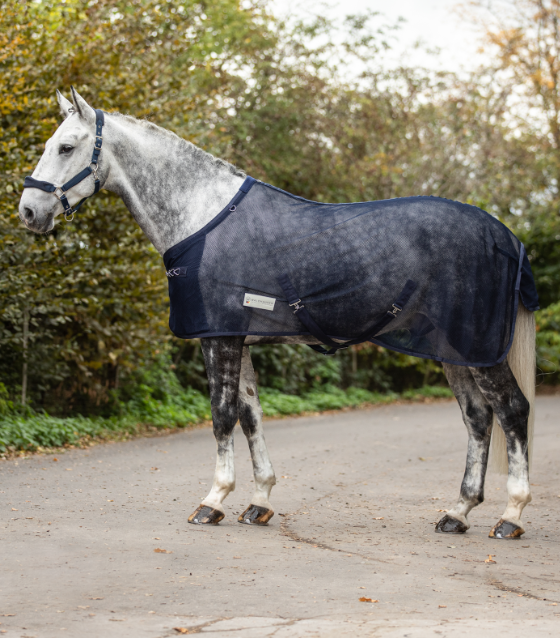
[(98, 140)]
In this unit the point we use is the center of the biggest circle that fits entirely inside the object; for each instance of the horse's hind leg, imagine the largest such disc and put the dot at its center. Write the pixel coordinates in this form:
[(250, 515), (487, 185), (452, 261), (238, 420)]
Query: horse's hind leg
[(260, 510), (222, 356), (477, 416), (511, 407)]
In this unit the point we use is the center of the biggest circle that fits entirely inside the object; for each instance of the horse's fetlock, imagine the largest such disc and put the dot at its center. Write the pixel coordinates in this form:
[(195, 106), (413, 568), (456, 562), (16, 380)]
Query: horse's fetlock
[(265, 478)]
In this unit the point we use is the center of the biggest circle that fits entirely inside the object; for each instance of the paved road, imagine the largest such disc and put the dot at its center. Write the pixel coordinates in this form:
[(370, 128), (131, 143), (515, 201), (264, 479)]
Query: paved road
[(357, 497)]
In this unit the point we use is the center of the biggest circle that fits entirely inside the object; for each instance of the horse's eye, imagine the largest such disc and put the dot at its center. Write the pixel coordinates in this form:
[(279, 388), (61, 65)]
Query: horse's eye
[(65, 149)]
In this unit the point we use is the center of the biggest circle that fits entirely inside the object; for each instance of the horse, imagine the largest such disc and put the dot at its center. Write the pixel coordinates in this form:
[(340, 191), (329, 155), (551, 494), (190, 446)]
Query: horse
[(175, 191)]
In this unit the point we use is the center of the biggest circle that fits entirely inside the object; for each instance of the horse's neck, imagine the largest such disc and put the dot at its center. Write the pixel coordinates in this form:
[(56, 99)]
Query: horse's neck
[(170, 187)]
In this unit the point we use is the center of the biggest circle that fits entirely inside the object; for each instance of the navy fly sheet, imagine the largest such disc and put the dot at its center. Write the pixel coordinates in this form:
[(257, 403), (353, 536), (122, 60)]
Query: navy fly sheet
[(425, 276)]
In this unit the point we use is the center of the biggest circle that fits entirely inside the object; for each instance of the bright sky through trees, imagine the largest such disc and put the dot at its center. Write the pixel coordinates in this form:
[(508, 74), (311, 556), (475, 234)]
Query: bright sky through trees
[(436, 23)]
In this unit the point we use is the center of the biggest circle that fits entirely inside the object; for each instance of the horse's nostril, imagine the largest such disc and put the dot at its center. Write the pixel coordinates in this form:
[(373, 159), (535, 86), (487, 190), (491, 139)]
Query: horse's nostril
[(28, 214)]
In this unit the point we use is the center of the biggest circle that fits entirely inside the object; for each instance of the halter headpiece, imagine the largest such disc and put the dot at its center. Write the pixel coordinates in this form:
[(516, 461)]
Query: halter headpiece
[(60, 191)]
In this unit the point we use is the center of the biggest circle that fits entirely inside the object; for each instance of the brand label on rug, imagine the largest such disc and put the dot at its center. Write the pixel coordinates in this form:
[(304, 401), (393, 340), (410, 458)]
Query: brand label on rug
[(256, 301)]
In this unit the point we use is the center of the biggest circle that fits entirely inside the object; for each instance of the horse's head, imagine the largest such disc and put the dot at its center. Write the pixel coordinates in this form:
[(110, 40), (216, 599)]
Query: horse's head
[(67, 153)]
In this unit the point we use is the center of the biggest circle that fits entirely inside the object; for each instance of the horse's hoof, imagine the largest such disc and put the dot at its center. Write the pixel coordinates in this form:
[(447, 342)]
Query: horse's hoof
[(204, 515), (256, 515), (504, 530), (450, 525)]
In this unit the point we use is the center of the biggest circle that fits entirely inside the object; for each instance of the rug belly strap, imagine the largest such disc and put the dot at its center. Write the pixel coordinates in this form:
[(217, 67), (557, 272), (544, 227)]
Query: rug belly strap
[(307, 320)]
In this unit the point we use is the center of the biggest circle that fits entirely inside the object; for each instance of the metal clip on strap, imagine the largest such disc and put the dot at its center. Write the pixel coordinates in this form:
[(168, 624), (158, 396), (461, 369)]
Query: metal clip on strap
[(308, 321)]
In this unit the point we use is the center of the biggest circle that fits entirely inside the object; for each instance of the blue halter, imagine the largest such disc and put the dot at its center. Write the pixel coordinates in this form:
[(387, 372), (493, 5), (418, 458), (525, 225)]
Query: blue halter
[(60, 191)]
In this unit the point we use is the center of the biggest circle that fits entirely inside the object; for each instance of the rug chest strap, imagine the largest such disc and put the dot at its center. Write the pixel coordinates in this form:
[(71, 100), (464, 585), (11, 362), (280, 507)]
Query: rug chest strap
[(307, 320)]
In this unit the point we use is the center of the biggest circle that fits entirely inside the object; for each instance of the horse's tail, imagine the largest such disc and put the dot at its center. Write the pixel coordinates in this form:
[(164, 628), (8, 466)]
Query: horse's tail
[(521, 360)]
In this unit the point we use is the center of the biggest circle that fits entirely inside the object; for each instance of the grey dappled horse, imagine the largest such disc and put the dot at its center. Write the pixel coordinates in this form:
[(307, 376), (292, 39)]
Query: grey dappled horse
[(173, 189)]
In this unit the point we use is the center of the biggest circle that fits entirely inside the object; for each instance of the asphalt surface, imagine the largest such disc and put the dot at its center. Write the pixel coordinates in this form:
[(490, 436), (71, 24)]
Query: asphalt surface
[(357, 497)]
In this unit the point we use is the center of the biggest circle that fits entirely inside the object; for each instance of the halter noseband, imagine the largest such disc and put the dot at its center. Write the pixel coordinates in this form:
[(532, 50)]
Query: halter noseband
[(60, 191)]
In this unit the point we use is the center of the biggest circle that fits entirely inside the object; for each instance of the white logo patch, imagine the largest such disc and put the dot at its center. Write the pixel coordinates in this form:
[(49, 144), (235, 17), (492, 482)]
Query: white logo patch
[(256, 301)]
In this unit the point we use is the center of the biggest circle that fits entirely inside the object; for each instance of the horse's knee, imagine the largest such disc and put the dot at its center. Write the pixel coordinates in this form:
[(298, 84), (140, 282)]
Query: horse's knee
[(224, 418), (249, 418)]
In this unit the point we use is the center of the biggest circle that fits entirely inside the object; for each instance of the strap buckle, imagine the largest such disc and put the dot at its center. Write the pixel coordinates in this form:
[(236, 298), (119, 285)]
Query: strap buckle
[(173, 272), (297, 306), (396, 309), (98, 140)]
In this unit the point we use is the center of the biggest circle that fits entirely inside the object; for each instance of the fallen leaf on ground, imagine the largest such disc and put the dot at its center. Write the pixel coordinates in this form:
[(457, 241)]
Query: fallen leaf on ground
[(7, 614), (157, 550), (14, 509), (378, 518), (364, 599), (97, 598), (442, 606), (55, 459), (181, 630), (490, 559)]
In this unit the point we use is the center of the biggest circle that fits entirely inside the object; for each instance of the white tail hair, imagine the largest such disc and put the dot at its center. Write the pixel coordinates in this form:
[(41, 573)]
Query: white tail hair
[(521, 360)]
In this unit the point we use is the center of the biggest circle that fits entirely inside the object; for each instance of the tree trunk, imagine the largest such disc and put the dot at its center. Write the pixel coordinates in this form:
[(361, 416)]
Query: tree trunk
[(25, 338)]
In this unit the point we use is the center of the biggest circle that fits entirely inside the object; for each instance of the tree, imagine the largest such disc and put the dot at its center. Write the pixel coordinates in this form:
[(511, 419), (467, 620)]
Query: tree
[(95, 290)]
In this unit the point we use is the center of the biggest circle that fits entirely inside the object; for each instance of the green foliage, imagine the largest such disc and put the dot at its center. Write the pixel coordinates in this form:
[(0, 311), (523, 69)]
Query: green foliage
[(283, 101), (95, 289), (177, 408), (548, 341), (6, 406)]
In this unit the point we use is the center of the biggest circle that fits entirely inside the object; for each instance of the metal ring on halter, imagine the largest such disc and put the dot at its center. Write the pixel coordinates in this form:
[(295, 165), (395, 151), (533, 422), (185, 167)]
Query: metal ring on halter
[(66, 217)]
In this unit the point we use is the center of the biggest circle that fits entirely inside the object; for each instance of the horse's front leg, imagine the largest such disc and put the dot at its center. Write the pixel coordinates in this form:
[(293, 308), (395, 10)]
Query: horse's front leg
[(477, 416), (222, 356), (260, 510)]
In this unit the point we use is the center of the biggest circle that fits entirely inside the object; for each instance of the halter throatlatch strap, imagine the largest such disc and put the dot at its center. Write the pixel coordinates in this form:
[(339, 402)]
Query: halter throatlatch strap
[(60, 191), (307, 320)]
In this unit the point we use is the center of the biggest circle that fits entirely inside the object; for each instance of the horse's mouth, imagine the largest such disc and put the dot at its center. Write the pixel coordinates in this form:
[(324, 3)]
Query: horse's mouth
[(45, 227)]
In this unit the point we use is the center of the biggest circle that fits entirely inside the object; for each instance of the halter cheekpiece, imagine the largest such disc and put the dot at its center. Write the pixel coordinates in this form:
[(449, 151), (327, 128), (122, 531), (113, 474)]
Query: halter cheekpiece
[(60, 191)]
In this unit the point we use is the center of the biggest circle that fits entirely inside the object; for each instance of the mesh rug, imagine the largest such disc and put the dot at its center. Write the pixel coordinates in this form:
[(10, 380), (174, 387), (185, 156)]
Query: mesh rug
[(348, 263)]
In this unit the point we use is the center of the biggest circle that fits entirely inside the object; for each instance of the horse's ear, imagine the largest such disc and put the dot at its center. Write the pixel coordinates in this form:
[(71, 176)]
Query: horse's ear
[(66, 107), (81, 107)]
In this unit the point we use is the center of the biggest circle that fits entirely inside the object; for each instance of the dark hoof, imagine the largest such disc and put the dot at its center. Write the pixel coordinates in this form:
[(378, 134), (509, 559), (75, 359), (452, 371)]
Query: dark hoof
[(204, 515), (505, 530), (450, 525), (255, 515)]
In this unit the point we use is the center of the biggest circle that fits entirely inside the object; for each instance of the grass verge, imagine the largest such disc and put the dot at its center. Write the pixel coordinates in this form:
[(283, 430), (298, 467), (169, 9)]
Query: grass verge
[(33, 432)]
